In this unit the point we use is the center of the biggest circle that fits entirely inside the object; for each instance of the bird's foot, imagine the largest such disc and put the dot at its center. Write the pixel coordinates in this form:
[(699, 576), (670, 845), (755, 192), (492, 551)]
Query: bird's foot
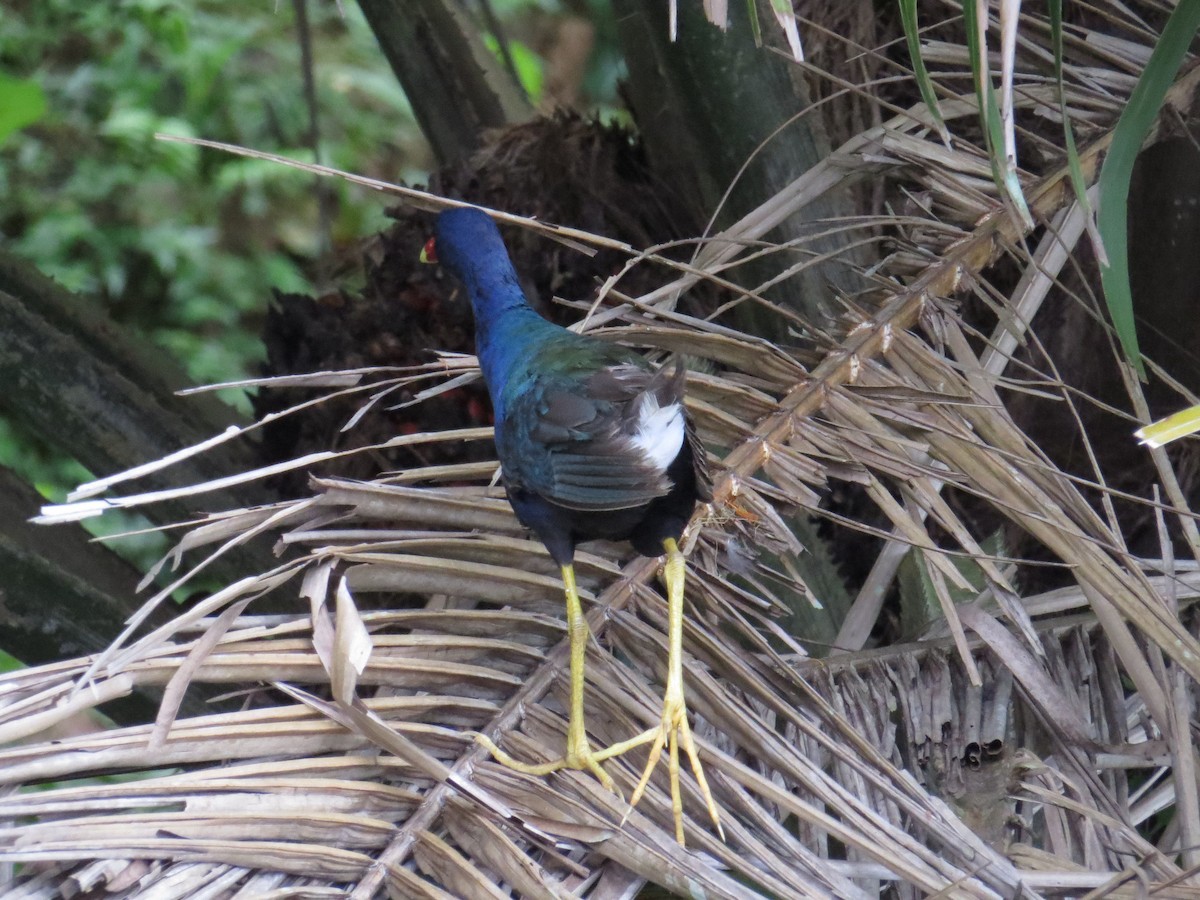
[(672, 732), (579, 755)]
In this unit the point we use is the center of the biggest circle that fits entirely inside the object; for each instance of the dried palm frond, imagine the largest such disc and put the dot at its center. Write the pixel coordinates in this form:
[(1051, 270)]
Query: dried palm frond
[(1021, 746)]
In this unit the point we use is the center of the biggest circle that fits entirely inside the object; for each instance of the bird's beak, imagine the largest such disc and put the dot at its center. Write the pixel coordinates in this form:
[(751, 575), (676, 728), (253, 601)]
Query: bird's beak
[(429, 251)]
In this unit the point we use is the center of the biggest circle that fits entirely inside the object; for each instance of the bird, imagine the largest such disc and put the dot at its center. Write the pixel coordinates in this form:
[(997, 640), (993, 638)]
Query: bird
[(593, 442)]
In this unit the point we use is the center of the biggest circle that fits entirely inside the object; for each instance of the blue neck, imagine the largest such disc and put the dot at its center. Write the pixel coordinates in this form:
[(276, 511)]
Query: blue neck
[(506, 326), (509, 335), (503, 343)]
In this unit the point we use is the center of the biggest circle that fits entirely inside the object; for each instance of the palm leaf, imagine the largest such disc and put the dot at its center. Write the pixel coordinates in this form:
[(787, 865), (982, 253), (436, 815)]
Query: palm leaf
[(994, 756)]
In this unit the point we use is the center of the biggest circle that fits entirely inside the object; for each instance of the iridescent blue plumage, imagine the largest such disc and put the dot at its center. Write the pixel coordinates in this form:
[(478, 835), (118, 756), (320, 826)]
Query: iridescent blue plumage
[(469, 245), (593, 443)]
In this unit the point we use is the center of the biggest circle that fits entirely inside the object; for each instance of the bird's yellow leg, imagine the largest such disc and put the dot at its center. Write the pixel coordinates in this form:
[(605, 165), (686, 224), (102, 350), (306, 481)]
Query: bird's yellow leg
[(671, 733), (673, 730), (579, 753)]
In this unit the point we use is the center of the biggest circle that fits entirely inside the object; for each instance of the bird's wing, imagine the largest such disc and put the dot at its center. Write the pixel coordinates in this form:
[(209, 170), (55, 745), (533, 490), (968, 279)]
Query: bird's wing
[(602, 441)]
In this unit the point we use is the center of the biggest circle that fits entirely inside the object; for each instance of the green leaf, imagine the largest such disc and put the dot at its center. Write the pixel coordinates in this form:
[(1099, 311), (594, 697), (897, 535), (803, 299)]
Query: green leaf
[(912, 34), (919, 603), (527, 63), (1078, 184), (22, 103), (755, 27), (1172, 428), (1004, 172), (1131, 131)]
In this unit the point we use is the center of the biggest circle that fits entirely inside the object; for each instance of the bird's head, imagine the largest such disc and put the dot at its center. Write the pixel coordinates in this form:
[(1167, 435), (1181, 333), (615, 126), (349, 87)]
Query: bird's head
[(469, 245), (466, 241)]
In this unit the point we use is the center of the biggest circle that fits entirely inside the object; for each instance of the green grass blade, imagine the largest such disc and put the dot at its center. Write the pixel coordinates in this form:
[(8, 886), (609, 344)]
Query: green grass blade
[(1078, 184), (1172, 428), (979, 73), (1131, 131), (912, 34), (755, 28), (1004, 172)]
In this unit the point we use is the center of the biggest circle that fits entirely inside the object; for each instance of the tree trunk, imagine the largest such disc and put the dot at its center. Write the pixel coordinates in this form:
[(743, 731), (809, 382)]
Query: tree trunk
[(454, 85), (78, 382), (704, 105), (62, 595)]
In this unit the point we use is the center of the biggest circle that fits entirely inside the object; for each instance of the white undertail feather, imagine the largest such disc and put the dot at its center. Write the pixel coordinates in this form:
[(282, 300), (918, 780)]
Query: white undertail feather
[(659, 434)]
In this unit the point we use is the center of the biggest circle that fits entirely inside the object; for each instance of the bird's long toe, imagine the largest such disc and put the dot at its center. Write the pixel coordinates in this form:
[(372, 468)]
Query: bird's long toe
[(672, 733), (580, 757)]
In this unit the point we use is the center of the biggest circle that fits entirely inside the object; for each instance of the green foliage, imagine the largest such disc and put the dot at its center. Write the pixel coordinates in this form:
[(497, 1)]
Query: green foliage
[(1140, 113), (912, 35), (48, 471), (52, 474), (1004, 172), (9, 663), (1077, 181), (530, 32), (21, 103), (183, 245), (919, 603), (529, 65)]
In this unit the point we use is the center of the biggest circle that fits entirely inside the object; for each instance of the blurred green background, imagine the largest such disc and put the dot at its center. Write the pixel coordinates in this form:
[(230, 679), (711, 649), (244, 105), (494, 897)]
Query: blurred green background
[(183, 245)]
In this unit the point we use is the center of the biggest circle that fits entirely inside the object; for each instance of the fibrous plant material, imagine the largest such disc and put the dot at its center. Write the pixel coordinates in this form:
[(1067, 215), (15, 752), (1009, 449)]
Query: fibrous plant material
[(1022, 745)]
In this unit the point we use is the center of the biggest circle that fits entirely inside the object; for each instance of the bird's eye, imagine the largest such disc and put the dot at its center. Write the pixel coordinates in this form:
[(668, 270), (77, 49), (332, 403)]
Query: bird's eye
[(429, 251)]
